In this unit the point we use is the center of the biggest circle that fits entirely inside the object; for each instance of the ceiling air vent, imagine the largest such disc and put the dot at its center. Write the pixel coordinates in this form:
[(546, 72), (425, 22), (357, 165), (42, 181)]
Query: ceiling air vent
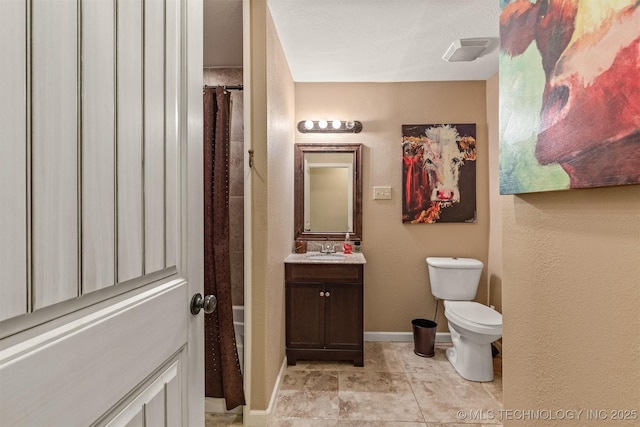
[(465, 50)]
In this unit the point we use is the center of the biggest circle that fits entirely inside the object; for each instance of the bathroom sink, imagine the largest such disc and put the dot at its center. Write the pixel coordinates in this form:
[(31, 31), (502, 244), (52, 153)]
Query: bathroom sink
[(328, 257)]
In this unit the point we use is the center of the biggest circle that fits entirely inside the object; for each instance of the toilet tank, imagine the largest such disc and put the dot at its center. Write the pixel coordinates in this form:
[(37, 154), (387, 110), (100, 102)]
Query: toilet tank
[(454, 279)]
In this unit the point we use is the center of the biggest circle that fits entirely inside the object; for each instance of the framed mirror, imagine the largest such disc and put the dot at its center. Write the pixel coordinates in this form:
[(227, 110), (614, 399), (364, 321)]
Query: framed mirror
[(327, 191)]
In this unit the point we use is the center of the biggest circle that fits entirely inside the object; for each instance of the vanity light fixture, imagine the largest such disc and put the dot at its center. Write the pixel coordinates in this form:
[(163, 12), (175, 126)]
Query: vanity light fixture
[(334, 126)]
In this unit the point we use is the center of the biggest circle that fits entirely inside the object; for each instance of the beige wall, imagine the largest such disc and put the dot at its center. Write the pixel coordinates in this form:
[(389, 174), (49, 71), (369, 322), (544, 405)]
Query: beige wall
[(494, 267), (396, 280), (272, 110), (571, 296), (256, 103), (280, 107)]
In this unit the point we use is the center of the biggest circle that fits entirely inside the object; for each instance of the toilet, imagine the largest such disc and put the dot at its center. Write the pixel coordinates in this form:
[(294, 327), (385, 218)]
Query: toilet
[(473, 326)]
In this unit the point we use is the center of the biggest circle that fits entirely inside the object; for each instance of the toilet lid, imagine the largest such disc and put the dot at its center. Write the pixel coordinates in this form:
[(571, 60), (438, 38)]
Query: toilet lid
[(455, 262), (475, 312)]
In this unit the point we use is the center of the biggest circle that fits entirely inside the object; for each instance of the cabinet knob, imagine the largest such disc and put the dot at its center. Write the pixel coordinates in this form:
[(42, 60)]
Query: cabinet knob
[(321, 293), (327, 294)]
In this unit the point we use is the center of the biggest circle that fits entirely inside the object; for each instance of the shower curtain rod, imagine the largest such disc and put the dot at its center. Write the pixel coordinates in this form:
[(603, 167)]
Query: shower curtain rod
[(225, 87)]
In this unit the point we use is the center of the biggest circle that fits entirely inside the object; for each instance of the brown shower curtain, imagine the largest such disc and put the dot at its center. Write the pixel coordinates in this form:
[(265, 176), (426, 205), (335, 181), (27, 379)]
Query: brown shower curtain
[(222, 368)]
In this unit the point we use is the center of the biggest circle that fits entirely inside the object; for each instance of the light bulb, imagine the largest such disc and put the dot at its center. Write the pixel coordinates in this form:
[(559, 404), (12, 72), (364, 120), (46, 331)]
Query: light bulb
[(350, 124), (322, 124), (336, 124), (308, 124)]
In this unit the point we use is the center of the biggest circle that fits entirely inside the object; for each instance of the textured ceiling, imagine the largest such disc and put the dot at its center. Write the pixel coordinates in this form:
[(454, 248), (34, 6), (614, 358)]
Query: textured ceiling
[(363, 40)]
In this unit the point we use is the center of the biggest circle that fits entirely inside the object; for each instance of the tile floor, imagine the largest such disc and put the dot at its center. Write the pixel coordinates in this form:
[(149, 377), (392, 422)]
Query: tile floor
[(395, 388)]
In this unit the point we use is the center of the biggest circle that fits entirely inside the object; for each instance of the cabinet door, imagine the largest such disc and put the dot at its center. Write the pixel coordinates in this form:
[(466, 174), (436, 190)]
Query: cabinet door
[(343, 316), (305, 315)]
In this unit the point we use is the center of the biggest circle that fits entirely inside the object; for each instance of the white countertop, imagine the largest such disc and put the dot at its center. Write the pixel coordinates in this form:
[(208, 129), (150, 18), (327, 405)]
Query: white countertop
[(319, 258)]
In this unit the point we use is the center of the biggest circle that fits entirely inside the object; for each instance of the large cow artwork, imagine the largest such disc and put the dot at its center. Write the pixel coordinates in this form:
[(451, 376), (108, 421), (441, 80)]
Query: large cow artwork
[(438, 173), (569, 94)]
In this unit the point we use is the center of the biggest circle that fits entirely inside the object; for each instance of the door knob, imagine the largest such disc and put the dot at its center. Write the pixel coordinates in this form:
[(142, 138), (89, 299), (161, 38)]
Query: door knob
[(327, 294), (321, 293), (206, 303)]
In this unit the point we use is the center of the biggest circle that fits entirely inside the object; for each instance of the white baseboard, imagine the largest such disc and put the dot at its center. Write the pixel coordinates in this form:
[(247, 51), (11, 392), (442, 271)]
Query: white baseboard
[(442, 337), (255, 418), (261, 418)]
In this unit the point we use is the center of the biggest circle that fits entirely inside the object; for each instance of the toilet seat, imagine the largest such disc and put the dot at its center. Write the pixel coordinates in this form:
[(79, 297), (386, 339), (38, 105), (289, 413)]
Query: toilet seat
[(474, 317)]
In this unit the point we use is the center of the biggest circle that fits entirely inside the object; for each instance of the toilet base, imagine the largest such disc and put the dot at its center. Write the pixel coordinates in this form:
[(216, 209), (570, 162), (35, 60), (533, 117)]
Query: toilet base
[(472, 360)]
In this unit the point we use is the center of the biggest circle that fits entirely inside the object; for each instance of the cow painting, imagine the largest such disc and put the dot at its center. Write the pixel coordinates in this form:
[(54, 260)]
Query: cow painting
[(438, 173), (569, 86)]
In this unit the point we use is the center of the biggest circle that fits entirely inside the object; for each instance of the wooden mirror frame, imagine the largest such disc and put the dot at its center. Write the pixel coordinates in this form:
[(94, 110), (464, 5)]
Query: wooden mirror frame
[(298, 190)]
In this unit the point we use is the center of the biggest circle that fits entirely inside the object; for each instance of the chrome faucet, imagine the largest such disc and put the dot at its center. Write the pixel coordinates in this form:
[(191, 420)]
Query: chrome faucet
[(328, 249)]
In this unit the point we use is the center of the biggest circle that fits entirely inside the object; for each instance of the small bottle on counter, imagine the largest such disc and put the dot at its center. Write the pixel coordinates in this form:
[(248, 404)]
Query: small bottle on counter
[(356, 246), (347, 246)]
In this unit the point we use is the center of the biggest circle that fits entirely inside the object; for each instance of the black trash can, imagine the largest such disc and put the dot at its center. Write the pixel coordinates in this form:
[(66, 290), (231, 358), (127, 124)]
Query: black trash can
[(424, 337)]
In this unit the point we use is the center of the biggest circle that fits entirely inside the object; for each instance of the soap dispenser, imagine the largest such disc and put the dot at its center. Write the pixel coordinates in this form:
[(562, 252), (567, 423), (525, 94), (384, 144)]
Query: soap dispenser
[(347, 246)]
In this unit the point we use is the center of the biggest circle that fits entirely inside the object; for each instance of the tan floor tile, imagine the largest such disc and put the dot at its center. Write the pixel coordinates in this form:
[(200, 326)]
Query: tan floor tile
[(461, 425), (441, 399), (222, 420), (307, 404), (495, 387), (378, 357), (379, 382), (310, 380), (304, 422), (395, 388), (379, 406), (370, 423), (438, 365), (377, 396), (318, 365)]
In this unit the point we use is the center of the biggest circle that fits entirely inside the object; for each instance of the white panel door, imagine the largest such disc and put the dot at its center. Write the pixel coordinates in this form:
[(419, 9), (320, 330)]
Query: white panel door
[(154, 134), (172, 68), (79, 373), (130, 139), (104, 115), (54, 154), (98, 145), (13, 156), (148, 409)]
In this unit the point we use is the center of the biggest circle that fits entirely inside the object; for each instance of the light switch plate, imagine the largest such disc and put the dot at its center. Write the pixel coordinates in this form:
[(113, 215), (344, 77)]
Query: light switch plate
[(382, 193)]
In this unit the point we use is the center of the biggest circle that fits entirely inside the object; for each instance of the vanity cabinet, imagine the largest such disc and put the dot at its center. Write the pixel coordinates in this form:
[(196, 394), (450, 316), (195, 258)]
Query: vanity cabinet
[(324, 312)]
